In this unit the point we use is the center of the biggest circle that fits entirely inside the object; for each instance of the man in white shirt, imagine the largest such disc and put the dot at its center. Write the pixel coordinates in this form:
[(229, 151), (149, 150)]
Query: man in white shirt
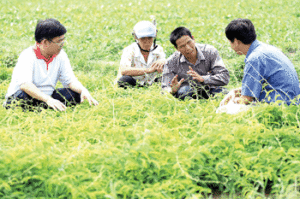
[(39, 68), (143, 60)]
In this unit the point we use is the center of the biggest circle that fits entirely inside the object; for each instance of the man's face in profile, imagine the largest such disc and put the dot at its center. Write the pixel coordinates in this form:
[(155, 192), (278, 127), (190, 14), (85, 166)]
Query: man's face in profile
[(56, 44), (235, 46)]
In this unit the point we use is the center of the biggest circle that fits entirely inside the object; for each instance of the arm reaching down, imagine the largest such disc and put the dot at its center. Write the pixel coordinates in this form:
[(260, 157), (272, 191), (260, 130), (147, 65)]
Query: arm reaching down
[(84, 93)]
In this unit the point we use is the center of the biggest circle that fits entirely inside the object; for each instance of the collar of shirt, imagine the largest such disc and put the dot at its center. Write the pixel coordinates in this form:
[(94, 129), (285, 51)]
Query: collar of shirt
[(254, 45), (137, 53), (39, 55), (200, 56)]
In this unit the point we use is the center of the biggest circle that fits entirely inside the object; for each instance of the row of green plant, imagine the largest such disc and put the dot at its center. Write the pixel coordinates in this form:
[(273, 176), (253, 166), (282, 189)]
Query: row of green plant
[(139, 143)]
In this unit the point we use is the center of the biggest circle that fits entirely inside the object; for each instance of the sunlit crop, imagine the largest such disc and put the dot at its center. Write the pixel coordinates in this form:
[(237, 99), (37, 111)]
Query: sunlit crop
[(139, 143)]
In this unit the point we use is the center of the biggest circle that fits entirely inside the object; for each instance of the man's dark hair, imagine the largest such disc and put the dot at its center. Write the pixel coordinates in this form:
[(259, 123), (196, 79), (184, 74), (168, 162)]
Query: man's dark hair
[(48, 29), (241, 29), (178, 33)]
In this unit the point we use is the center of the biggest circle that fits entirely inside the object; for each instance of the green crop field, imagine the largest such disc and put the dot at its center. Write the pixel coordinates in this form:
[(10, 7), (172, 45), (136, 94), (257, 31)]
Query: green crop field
[(139, 143)]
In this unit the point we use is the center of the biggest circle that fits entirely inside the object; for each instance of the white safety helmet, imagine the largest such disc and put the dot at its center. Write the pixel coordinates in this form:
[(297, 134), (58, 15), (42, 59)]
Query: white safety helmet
[(144, 29)]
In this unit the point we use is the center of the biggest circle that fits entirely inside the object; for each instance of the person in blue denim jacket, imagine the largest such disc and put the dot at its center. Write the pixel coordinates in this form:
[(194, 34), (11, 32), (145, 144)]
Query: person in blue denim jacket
[(268, 74)]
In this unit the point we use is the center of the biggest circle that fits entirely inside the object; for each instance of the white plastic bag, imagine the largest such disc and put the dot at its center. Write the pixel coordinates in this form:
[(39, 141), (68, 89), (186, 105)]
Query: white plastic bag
[(232, 108)]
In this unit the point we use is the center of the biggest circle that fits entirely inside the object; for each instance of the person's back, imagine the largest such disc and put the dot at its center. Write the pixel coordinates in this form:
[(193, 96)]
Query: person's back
[(277, 73), (269, 75)]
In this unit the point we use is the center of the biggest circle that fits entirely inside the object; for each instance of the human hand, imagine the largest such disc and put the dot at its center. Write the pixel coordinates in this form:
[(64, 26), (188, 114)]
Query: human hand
[(175, 84), (152, 69), (86, 95), (195, 75), (159, 65), (55, 104)]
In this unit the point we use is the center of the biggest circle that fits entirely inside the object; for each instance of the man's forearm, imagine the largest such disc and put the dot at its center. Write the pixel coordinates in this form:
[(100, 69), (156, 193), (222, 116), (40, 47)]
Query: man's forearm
[(134, 71), (76, 86), (219, 76), (34, 92), (216, 80)]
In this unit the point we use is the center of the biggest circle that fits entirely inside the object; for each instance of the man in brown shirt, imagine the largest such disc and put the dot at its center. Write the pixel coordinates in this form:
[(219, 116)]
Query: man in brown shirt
[(194, 70)]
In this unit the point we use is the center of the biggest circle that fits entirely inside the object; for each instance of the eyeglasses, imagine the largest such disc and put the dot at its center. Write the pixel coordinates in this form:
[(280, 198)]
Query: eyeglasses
[(59, 44)]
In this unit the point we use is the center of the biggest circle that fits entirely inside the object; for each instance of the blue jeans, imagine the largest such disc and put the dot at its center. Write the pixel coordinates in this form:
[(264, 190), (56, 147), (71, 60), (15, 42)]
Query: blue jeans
[(65, 95), (200, 93)]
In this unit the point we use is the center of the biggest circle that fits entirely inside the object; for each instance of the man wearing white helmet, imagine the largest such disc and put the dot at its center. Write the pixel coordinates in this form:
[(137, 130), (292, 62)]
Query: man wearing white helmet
[(142, 61)]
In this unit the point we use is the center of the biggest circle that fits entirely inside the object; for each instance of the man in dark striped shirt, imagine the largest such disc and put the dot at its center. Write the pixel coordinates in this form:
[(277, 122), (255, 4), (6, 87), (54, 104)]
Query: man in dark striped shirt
[(194, 70)]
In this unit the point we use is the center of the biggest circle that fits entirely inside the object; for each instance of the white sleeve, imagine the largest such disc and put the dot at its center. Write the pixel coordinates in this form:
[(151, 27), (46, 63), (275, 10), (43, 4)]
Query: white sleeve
[(23, 71), (66, 74), (127, 58)]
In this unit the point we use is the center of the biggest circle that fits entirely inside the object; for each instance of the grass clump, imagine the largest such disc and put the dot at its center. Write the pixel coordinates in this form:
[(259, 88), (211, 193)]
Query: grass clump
[(138, 143)]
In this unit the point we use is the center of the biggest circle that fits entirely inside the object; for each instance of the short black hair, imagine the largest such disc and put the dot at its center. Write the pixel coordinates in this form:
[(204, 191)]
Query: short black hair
[(241, 29), (178, 33), (48, 29)]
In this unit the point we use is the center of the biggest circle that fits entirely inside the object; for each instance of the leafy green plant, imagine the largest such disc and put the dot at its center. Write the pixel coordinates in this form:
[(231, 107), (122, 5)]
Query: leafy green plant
[(10, 61), (139, 143)]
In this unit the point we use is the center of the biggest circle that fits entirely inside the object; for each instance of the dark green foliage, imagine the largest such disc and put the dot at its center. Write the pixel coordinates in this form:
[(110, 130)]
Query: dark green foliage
[(4, 75), (10, 61), (138, 143), (236, 70)]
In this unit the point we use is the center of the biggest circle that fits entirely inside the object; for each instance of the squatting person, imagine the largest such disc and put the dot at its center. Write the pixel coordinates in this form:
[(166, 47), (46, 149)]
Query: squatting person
[(143, 60), (194, 70), (268, 74), (38, 69)]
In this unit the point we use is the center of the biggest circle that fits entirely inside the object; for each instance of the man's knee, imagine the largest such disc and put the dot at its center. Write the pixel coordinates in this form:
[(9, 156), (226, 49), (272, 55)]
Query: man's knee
[(219, 89), (20, 96), (66, 95), (158, 79), (125, 81), (22, 99), (184, 92), (193, 92)]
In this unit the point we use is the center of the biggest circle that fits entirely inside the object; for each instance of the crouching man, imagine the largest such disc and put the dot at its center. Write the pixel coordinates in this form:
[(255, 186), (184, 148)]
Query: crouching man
[(268, 74), (194, 70), (38, 69), (143, 60)]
